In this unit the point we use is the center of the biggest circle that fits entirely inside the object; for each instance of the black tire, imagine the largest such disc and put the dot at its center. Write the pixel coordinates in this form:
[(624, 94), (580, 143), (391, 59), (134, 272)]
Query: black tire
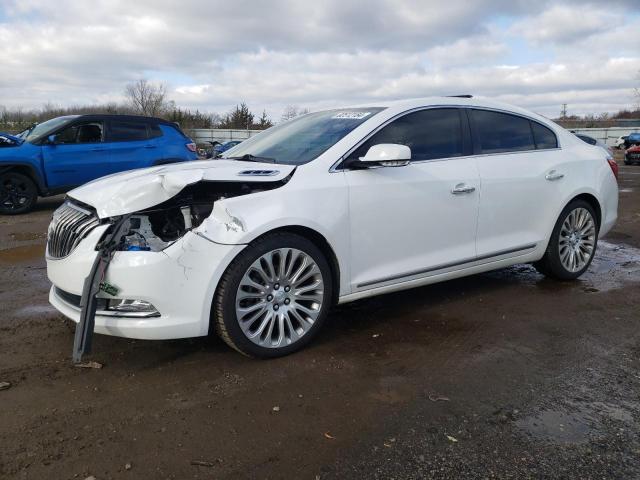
[(18, 193), (223, 316), (550, 264)]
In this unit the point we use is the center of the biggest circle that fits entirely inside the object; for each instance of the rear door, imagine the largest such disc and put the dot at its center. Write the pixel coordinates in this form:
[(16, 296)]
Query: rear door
[(78, 155), (131, 145), (521, 170)]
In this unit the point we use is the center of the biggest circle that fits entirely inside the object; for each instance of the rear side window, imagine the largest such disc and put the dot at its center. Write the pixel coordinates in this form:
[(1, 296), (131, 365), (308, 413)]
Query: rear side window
[(543, 136), (122, 131), (430, 134), (500, 132)]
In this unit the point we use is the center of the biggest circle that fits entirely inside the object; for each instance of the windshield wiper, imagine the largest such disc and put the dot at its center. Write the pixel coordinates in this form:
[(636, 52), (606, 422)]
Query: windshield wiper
[(253, 158)]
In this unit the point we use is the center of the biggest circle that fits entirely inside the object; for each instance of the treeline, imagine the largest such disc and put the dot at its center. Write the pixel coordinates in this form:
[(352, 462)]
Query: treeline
[(602, 120), (17, 119)]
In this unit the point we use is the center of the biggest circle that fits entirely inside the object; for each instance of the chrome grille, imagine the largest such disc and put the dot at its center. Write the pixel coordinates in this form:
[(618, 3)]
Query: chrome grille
[(70, 225)]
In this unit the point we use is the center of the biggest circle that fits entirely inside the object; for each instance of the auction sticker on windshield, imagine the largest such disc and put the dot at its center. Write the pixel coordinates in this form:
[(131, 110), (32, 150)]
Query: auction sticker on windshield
[(352, 115)]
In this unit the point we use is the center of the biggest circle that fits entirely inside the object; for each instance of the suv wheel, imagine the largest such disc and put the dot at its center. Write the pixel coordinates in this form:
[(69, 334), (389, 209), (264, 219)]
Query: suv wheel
[(274, 297), (18, 193), (573, 243)]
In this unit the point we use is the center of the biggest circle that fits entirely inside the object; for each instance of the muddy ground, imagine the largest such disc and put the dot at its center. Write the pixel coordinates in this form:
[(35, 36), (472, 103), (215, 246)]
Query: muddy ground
[(500, 375)]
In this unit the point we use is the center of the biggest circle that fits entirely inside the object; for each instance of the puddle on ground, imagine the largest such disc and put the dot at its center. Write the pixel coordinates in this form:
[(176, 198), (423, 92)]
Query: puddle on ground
[(21, 254), (579, 423), (26, 236), (614, 266)]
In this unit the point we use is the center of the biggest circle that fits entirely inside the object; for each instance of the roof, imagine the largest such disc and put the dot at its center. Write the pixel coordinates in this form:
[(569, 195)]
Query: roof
[(137, 118)]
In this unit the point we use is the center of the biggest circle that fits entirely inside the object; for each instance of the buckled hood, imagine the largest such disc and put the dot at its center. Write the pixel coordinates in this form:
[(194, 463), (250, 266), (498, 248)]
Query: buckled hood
[(136, 190)]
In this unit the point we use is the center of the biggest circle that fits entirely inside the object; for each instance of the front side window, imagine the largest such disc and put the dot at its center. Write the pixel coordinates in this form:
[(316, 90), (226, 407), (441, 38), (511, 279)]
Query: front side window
[(88, 132), (302, 139), (128, 131), (430, 134), (42, 130), (501, 132)]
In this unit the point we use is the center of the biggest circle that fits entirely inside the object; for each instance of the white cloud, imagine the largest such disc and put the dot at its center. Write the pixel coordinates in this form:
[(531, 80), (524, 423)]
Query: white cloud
[(214, 54)]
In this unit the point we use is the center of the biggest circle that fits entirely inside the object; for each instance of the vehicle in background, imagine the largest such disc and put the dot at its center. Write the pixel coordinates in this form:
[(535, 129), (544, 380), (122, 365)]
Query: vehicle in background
[(619, 143), (631, 140), (65, 152), (595, 143), (223, 147), (328, 208), (632, 155)]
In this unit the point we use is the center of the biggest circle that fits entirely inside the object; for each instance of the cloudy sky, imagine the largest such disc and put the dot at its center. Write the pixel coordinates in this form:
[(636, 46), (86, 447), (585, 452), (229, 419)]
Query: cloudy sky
[(213, 54)]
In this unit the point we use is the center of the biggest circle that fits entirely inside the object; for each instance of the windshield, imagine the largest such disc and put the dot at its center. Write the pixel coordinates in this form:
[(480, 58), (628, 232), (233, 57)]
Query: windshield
[(302, 139), (42, 129)]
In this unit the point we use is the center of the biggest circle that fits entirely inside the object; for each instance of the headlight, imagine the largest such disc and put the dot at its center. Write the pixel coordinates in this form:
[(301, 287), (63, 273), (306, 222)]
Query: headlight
[(154, 230)]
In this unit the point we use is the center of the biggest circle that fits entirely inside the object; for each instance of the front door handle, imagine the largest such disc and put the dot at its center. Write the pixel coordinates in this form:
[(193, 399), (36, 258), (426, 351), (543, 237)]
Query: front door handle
[(462, 188), (149, 146), (553, 176)]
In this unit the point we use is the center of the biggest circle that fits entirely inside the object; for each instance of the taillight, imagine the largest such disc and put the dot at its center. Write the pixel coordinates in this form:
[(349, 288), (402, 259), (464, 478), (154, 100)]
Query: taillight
[(191, 147), (614, 167)]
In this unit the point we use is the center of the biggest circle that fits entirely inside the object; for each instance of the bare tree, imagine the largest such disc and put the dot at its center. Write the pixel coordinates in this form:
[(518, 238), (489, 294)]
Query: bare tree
[(292, 111), (147, 98)]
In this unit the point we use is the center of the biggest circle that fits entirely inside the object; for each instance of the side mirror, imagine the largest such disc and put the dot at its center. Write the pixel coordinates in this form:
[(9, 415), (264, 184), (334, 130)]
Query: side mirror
[(387, 155), (52, 139)]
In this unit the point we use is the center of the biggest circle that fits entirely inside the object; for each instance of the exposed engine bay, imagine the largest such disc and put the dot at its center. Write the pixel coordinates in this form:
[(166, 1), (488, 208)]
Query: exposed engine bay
[(156, 228)]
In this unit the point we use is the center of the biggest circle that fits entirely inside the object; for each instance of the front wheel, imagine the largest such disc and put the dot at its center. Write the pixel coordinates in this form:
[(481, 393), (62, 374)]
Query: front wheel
[(573, 243), (274, 297), (18, 193)]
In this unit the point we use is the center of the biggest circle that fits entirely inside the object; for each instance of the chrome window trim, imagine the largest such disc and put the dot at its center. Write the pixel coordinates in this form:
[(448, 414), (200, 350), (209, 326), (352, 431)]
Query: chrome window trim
[(334, 168)]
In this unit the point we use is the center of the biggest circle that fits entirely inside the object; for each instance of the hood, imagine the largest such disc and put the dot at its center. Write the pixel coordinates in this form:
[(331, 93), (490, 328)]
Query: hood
[(137, 190), (17, 141)]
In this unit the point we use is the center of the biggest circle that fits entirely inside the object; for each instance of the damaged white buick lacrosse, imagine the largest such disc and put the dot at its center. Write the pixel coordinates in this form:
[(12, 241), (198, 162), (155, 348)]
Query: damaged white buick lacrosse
[(327, 208)]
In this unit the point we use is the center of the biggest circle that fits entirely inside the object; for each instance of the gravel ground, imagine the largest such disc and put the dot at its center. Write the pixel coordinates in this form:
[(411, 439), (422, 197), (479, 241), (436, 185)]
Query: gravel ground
[(500, 375)]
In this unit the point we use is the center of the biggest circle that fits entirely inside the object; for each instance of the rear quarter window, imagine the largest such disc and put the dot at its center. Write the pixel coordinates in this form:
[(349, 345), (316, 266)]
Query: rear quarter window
[(543, 136)]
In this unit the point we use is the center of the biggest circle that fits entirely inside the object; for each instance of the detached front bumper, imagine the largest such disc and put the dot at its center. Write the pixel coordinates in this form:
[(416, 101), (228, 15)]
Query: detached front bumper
[(179, 281)]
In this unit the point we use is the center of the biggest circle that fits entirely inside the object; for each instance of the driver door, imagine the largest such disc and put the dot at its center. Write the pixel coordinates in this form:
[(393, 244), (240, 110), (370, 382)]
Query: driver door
[(417, 220), (77, 156)]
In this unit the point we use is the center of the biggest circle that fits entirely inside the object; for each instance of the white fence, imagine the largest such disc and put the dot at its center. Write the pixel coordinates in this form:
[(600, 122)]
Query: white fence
[(204, 135), (607, 135)]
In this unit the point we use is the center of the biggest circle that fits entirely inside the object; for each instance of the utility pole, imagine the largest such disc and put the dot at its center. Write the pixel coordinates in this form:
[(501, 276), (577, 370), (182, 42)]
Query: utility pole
[(563, 112)]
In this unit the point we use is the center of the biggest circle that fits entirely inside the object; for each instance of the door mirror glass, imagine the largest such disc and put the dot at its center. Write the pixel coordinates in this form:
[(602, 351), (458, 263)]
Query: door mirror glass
[(52, 139), (388, 155)]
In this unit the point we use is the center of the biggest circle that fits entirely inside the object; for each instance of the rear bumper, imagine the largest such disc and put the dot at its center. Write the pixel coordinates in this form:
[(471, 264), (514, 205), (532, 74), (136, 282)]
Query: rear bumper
[(179, 281)]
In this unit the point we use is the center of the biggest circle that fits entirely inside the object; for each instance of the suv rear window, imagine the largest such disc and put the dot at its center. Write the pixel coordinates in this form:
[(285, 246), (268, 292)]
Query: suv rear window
[(123, 130), (154, 131)]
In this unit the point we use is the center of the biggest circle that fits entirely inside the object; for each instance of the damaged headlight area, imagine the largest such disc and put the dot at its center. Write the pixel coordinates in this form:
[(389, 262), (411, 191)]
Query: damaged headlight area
[(156, 229)]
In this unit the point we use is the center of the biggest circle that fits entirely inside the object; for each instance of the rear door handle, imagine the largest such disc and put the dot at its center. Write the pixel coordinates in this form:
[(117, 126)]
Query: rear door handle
[(462, 188), (553, 176)]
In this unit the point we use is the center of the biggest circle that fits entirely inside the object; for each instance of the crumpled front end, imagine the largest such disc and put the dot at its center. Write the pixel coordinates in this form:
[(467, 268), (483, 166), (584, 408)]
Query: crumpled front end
[(162, 270)]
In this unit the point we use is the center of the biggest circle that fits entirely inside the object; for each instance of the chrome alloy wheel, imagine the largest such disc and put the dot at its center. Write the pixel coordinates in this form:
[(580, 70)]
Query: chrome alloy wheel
[(577, 239), (279, 297)]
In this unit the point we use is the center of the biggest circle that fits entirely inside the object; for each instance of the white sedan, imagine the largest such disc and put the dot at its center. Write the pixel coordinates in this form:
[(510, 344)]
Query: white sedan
[(328, 208)]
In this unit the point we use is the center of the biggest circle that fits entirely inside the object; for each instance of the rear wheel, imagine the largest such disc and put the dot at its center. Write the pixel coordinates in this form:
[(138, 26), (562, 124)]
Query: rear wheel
[(18, 193), (573, 243), (273, 298)]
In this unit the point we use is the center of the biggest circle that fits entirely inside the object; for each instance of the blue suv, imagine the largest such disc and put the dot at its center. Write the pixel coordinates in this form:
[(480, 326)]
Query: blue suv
[(65, 152)]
